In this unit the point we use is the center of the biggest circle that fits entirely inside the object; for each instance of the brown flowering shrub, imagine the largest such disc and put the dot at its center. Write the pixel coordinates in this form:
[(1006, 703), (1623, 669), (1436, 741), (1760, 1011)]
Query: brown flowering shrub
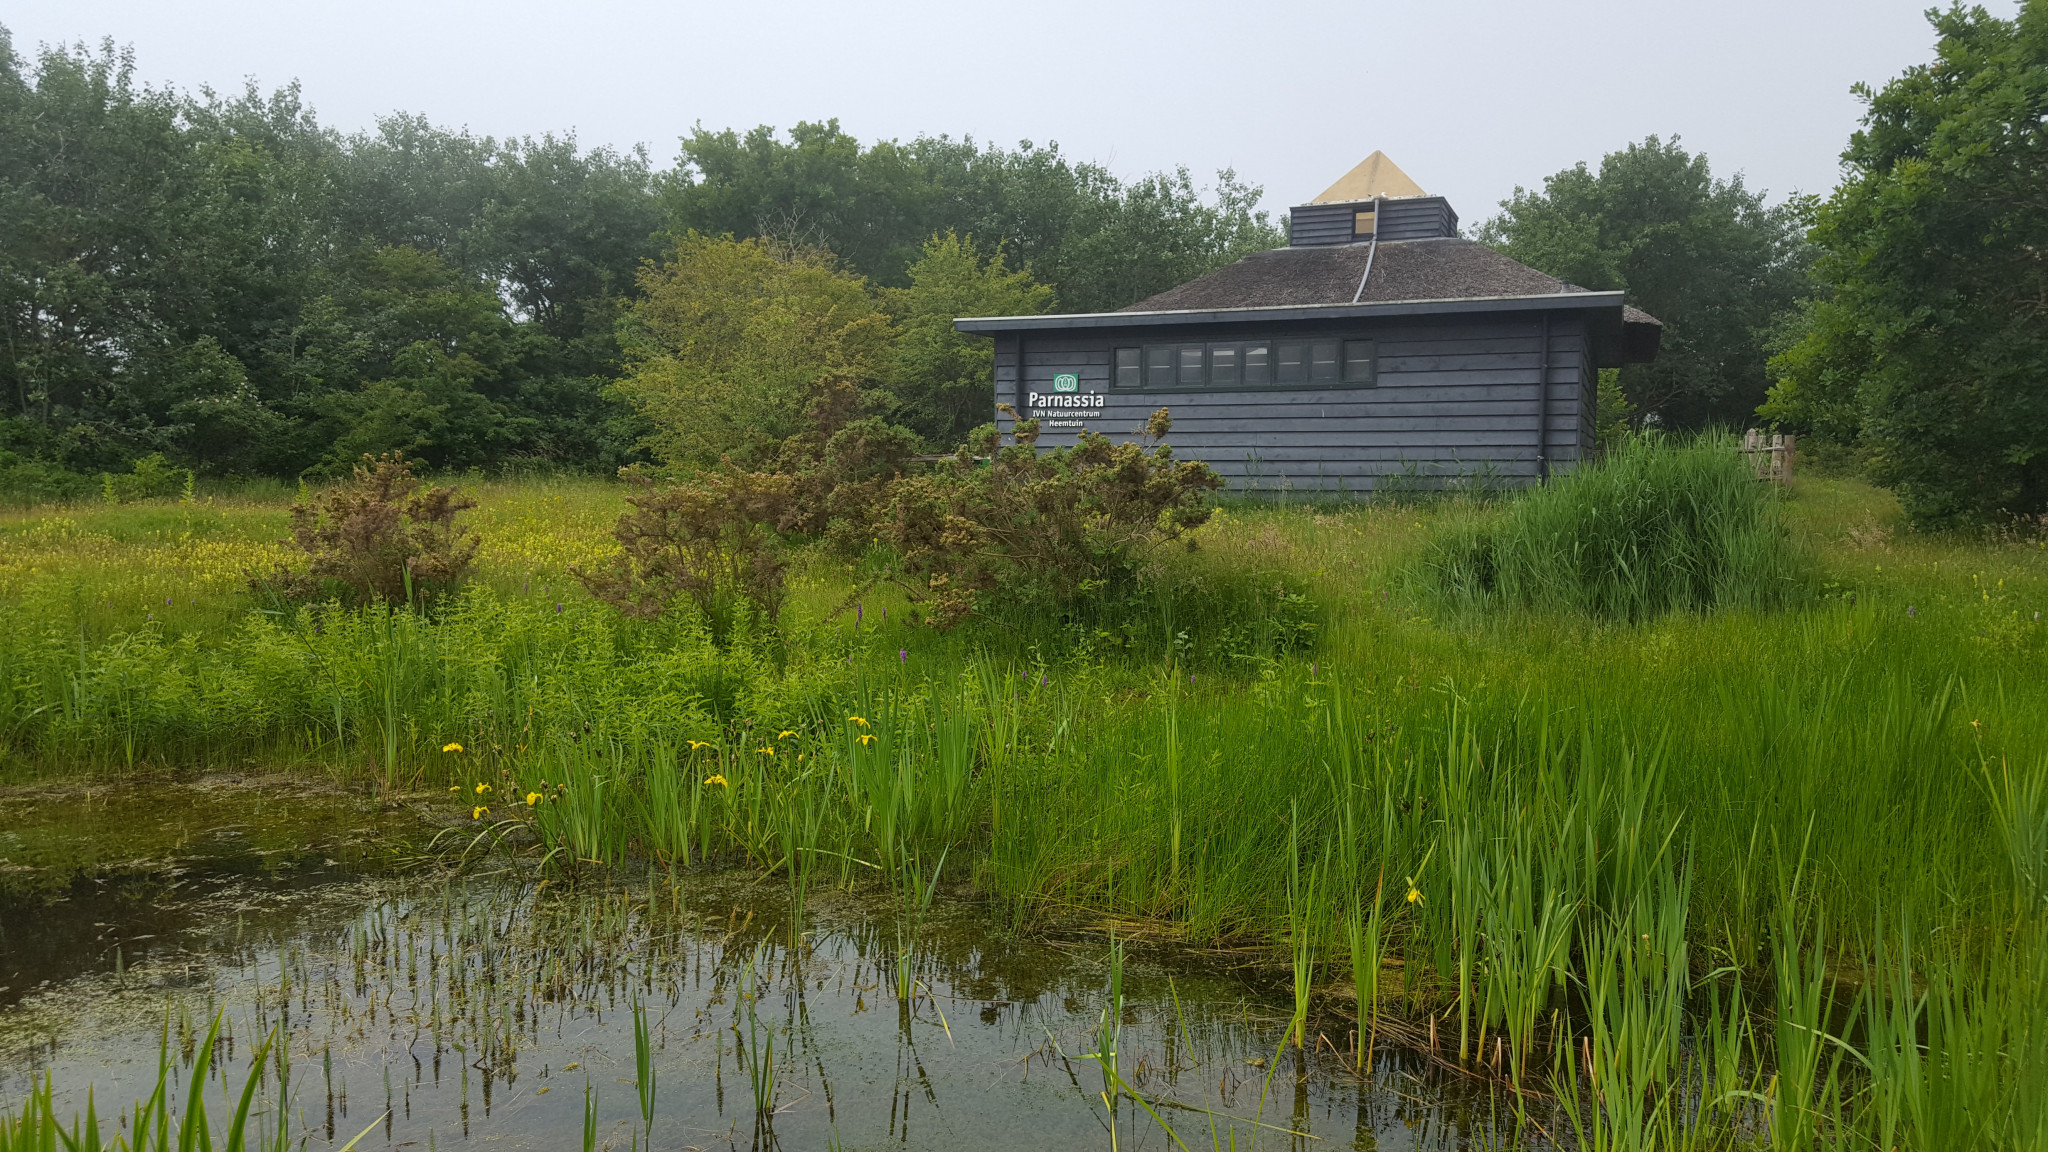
[(1048, 527), (842, 468), (382, 535), (711, 540)]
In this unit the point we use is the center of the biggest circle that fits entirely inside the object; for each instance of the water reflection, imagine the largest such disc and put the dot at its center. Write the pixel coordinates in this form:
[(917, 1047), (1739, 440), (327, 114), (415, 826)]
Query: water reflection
[(449, 1007)]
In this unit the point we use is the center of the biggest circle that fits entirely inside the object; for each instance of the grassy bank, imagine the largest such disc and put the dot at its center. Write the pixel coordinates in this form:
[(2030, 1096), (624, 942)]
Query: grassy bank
[(1560, 842)]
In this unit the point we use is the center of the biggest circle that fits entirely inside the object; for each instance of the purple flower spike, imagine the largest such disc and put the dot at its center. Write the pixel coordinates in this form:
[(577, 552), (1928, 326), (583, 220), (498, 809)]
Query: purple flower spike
[(902, 654), (558, 608), (856, 613)]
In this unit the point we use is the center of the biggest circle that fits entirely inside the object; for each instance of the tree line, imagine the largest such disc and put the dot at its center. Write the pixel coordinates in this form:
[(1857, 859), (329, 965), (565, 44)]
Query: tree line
[(224, 283)]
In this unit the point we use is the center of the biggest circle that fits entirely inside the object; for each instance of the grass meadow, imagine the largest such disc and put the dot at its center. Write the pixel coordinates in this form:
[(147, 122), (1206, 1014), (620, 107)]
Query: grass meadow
[(1774, 872)]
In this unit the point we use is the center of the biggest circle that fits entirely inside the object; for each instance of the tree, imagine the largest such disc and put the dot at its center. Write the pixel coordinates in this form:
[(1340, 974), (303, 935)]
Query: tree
[(1929, 354), (1102, 242), (946, 380), (1707, 257), (731, 338)]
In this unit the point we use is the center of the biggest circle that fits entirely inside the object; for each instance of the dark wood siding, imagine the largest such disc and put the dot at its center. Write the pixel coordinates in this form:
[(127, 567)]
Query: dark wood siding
[(1417, 218), (1454, 399), (1320, 224)]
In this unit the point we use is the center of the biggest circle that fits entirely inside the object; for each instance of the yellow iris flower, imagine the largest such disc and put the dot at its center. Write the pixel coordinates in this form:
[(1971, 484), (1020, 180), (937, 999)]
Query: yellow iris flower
[(718, 780), (479, 812), (532, 798), (451, 747)]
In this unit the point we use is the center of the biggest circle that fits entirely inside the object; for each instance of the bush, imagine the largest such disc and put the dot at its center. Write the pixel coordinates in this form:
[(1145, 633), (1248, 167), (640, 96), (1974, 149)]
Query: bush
[(28, 481), (1044, 527), (711, 539), (148, 478), (381, 535), (1656, 527)]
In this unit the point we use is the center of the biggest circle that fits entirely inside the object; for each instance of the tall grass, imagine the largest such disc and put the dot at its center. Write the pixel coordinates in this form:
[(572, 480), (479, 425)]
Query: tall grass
[(1571, 842), (1655, 527)]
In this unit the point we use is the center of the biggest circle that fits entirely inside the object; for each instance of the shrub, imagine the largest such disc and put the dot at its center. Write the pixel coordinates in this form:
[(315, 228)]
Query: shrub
[(1046, 527), (841, 467), (148, 478), (1656, 527), (29, 481), (381, 535), (710, 539)]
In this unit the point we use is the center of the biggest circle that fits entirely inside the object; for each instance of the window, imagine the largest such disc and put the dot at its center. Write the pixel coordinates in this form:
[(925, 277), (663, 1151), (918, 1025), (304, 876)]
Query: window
[(1322, 362), (1308, 363), (1358, 367), (1159, 366), (1362, 223), (1226, 365), (1258, 364), (1293, 364), (1129, 372)]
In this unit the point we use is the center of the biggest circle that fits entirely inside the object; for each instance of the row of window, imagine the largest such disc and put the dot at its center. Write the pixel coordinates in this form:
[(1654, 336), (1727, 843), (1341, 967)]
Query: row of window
[(1245, 364)]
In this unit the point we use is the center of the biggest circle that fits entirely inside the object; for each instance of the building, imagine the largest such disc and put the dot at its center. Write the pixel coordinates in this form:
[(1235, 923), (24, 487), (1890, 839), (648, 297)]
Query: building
[(1377, 344)]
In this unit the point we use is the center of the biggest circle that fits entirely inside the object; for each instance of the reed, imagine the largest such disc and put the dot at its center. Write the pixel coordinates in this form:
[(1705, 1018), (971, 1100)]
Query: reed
[(1655, 527), (644, 1075), (761, 1071), (1488, 803)]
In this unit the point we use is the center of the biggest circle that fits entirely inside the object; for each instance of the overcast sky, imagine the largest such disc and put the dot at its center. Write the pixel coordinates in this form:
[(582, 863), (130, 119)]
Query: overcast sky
[(1471, 97)]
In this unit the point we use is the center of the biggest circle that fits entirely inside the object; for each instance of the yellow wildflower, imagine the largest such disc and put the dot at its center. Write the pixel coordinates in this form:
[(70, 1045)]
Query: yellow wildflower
[(784, 735), (1414, 897), (718, 780), (482, 788), (451, 747), (479, 812), (696, 744), (866, 738), (532, 798), (765, 751), (858, 720), (455, 787)]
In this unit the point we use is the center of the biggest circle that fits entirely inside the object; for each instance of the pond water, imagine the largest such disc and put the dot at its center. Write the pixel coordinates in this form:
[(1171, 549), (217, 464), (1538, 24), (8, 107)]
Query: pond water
[(444, 1006)]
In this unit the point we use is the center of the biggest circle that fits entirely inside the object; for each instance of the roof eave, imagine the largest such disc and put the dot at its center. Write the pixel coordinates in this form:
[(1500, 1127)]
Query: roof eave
[(1573, 301)]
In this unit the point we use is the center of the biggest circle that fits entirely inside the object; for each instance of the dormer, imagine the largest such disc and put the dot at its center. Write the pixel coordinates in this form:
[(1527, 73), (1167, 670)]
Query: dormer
[(1374, 201)]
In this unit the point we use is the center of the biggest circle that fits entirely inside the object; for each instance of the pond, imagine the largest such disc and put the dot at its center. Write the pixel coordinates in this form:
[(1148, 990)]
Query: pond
[(432, 997)]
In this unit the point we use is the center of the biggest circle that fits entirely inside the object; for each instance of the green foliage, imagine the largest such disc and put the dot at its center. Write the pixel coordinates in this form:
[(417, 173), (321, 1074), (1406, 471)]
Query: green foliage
[(29, 481), (1102, 242), (148, 478), (1928, 353), (1612, 413), (226, 282), (1655, 527), (731, 337), (944, 379), (381, 536), (1707, 257), (1042, 529)]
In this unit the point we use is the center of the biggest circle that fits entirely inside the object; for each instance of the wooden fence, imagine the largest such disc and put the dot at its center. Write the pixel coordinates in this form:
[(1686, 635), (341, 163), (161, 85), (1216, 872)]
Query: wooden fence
[(1771, 454)]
